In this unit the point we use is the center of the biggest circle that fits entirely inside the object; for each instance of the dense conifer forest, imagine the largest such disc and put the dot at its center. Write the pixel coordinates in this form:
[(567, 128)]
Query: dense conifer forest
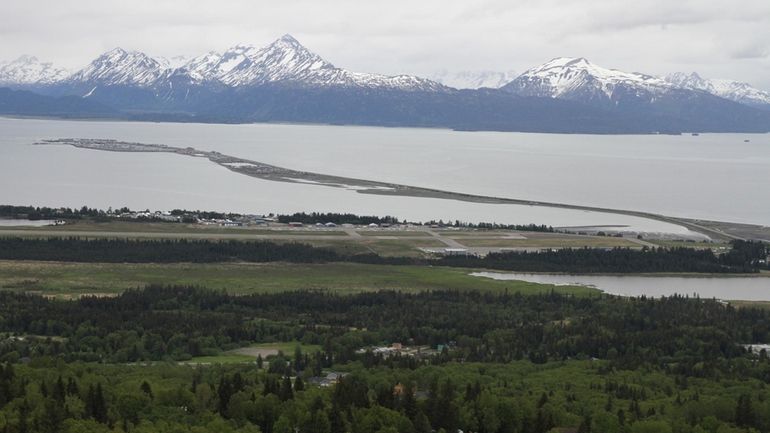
[(743, 257), (508, 363)]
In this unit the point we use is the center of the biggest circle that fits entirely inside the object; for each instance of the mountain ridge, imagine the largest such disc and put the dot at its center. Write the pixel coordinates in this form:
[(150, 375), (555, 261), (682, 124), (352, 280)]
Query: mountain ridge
[(729, 89), (284, 81)]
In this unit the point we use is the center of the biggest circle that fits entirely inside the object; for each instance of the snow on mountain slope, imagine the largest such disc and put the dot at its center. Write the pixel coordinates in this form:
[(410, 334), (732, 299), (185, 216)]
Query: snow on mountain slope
[(28, 70), (120, 67), (728, 89), (474, 79), (283, 60), (172, 62), (288, 61), (577, 78), (212, 66)]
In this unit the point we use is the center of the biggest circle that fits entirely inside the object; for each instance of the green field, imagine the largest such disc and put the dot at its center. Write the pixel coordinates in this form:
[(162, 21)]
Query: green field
[(249, 354), (225, 358), (75, 279)]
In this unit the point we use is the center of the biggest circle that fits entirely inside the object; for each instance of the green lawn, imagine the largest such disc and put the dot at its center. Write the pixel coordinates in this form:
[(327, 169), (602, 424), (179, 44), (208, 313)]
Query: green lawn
[(75, 279), (224, 358), (250, 353)]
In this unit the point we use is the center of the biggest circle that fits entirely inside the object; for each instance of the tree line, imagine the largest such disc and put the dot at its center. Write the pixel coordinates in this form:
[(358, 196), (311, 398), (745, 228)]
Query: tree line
[(744, 257), (178, 323)]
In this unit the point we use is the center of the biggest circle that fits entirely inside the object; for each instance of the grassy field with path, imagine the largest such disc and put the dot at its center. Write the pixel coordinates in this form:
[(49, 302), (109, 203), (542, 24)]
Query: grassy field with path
[(76, 279)]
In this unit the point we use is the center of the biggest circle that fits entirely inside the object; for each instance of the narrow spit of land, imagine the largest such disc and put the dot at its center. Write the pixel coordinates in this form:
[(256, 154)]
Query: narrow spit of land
[(716, 230)]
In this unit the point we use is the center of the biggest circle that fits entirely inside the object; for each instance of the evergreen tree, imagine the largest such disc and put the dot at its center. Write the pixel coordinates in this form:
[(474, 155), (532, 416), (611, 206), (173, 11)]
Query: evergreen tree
[(285, 393), (72, 387), (224, 392), (744, 411), (59, 391), (146, 389), (299, 385)]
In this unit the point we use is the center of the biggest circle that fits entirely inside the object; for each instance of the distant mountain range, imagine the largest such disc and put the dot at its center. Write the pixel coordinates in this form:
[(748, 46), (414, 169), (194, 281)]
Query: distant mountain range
[(728, 89), (286, 82), (474, 79)]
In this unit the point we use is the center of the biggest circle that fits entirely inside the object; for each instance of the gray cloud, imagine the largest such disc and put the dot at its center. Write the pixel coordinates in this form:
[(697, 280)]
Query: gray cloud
[(752, 51), (713, 37)]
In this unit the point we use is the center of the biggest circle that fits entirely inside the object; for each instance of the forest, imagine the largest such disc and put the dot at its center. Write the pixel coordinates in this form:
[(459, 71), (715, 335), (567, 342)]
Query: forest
[(508, 363), (744, 256)]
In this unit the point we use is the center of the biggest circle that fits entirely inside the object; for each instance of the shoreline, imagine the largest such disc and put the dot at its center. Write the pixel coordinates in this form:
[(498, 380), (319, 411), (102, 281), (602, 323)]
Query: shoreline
[(357, 125), (717, 230), (726, 275)]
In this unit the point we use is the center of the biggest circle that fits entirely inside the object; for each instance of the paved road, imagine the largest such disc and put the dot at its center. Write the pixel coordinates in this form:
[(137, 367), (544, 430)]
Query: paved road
[(641, 242), (451, 243), (353, 233)]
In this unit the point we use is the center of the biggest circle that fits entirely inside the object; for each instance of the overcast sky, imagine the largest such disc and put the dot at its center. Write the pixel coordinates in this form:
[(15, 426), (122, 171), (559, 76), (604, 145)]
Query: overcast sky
[(718, 38)]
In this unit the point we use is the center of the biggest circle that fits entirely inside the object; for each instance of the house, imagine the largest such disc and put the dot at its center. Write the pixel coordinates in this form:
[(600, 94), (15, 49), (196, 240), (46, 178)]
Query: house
[(455, 251), (331, 378)]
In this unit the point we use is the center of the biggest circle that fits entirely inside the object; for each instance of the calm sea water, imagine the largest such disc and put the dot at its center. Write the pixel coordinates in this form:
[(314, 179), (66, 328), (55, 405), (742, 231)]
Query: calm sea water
[(715, 176), (730, 288)]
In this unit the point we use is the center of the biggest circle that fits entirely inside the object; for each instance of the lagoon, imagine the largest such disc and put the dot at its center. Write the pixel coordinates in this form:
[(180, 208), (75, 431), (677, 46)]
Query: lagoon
[(712, 176), (733, 287)]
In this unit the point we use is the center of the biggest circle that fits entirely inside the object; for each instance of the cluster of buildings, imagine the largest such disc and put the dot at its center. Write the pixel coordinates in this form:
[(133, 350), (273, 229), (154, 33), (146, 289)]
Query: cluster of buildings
[(241, 221), (148, 215), (401, 350), (331, 378)]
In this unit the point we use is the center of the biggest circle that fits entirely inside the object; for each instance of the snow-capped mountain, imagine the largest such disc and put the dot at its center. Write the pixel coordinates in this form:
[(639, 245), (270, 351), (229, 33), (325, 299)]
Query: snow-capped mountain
[(120, 67), (579, 79), (286, 82), (736, 91), (213, 66), (172, 62), (474, 79), (289, 62), (28, 70), (284, 61)]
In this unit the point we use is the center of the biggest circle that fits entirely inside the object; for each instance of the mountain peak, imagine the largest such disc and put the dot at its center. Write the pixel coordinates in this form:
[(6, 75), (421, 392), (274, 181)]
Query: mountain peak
[(287, 43), (289, 39), (568, 77), (118, 66), (115, 53), (283, 60), (565, 62), (474, 79), (736, 91), (28, 70), (25, 58)]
